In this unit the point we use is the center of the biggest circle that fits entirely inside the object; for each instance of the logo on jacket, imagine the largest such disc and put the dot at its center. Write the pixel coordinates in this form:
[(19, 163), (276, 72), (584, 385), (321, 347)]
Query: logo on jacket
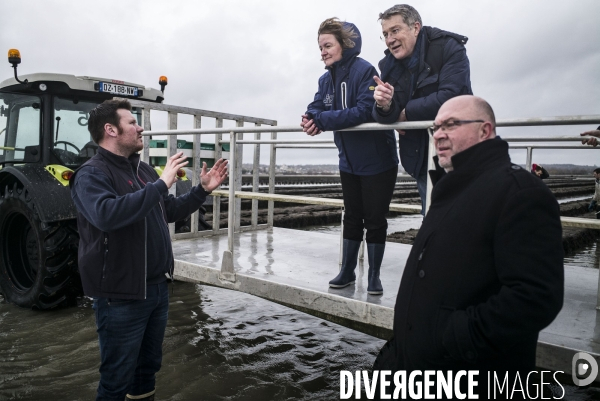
[(328, 101)]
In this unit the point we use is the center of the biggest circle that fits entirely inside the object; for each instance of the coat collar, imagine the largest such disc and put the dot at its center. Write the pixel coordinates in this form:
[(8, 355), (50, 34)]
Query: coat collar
[(120, 161), (468, 165)]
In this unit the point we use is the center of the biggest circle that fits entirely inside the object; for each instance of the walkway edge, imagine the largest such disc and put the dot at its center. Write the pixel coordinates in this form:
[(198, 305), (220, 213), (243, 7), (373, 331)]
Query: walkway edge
[(331, 304)]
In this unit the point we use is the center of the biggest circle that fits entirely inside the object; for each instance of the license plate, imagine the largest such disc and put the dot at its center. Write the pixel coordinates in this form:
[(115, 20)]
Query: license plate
[(117, 89)]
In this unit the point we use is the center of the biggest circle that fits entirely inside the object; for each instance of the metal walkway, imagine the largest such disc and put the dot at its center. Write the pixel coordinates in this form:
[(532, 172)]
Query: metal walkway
[(294, 267)]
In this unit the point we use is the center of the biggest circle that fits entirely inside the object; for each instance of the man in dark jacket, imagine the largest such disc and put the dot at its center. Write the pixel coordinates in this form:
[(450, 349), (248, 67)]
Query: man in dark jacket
[(422, 68), (125, 252), (485, 273)]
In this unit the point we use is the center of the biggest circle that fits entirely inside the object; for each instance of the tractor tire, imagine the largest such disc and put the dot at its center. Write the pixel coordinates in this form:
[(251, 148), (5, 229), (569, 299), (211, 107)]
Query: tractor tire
[(38, 261)]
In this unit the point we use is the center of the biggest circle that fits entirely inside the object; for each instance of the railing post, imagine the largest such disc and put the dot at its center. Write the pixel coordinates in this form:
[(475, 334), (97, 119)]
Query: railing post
[(197, 169), (239, 153), (217, 199), (255, 179), (146, 139), (528, 162), (430, 166), (227, 271), (171, 150), (272, 164)]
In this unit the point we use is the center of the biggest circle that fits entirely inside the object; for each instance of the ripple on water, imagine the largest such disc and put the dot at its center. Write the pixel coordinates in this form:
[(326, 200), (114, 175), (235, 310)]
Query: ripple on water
[(219, 345)]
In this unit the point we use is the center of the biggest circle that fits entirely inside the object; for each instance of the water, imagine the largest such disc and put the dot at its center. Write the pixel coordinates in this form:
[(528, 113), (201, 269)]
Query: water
[(395, 224), (219, 345), (587, 257), (577, 198)]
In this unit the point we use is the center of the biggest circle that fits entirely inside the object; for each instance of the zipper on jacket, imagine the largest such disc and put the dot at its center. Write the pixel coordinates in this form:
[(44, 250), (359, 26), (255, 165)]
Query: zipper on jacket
[(105, 256), (344, 101), (136, 174), (145, 256), (343, 90)]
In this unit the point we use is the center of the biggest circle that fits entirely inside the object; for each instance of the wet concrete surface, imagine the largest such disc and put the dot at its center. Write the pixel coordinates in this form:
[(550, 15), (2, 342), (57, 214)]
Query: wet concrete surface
[(305, 262)]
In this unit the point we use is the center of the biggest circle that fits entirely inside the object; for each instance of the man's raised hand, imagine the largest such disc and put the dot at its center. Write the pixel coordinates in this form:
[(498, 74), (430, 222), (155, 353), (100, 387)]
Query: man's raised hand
[(174, 163), (383, 94), (215, 177)]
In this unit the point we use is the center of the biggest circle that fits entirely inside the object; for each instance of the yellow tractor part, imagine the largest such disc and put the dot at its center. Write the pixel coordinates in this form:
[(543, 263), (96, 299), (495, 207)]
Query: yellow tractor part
[(61, 173)]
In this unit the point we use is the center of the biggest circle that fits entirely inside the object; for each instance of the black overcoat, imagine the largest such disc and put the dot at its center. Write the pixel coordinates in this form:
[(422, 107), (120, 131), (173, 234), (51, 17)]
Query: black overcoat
[(485, 273)]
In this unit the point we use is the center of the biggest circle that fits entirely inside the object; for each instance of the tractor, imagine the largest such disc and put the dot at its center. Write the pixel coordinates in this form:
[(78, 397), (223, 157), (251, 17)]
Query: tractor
[(43, 139)]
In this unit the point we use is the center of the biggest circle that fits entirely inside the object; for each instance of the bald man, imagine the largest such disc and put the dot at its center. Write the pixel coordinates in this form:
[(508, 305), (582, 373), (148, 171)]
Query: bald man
[(485, 273)]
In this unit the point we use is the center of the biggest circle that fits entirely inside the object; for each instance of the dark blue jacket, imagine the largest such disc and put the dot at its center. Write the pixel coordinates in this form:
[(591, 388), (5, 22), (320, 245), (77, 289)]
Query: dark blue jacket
[(345, 99), (123, 209), (421, 87)]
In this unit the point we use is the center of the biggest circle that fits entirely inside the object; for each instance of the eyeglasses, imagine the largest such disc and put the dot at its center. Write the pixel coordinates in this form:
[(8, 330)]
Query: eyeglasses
[(450, 125)]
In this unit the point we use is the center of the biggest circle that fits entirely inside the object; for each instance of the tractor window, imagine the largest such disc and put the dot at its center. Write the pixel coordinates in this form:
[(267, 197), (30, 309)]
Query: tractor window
[(73, 143), (19, 128)]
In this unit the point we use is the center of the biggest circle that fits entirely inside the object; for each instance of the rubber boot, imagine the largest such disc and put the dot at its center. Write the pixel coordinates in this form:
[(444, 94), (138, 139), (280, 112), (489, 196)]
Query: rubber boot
[(349, 259), (145, 397), (375, 252)]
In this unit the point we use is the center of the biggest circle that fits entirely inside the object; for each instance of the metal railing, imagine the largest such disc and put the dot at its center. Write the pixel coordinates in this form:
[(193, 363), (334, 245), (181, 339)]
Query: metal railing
[(235, 163), (236, 142)]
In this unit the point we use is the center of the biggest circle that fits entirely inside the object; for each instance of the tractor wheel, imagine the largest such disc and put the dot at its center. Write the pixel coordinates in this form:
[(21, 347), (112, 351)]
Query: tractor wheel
[(38, 261)]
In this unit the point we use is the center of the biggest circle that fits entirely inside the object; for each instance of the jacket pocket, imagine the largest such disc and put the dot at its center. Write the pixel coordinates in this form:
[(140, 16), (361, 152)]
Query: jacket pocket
[(428, 86), (441, 323), (432, 79)]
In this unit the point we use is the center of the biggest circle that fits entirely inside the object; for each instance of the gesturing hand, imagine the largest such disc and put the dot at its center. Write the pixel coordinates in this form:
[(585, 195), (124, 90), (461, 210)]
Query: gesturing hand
[(215, 176), (174, 163), (383, 94)]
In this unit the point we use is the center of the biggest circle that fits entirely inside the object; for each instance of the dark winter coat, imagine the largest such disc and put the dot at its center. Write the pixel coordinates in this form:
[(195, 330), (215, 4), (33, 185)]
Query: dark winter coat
[(123, 209), (345, 99), (441, 71), (485, 273)]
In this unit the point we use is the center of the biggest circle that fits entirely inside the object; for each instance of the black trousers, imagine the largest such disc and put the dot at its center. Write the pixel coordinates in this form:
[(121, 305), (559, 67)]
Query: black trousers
[(367, 200)]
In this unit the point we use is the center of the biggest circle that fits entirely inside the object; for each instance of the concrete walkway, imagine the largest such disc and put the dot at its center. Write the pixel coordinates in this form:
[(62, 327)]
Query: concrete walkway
[(294, 267)]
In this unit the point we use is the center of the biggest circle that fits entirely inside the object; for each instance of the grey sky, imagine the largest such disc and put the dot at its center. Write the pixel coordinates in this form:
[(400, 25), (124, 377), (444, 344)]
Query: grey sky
[(260, 58)]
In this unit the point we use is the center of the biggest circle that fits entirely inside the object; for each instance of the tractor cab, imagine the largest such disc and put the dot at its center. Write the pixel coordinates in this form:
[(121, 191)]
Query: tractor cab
[(43, 117)]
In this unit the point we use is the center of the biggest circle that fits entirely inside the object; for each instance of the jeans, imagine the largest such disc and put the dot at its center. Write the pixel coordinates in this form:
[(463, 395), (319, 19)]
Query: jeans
[(130, 333), (366, 201)]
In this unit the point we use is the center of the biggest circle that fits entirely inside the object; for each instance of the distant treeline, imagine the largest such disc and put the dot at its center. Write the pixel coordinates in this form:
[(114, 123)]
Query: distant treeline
[(568, 169)]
